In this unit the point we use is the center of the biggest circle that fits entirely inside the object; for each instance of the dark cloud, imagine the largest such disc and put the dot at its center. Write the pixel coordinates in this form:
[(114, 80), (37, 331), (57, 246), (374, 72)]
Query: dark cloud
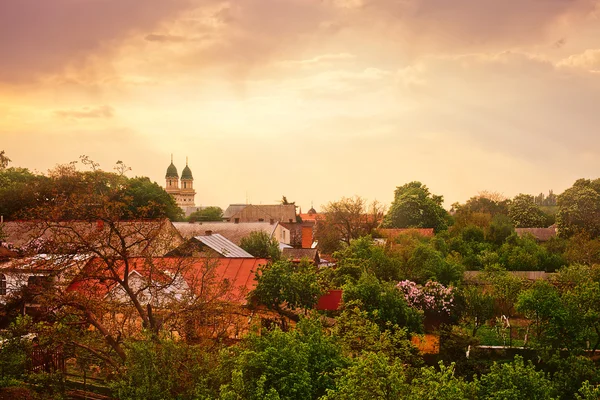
[(41, 37), (105, 112)]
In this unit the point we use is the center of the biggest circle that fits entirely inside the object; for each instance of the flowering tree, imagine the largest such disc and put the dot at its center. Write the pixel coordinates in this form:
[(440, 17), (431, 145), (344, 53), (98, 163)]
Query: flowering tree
[(431, 297)]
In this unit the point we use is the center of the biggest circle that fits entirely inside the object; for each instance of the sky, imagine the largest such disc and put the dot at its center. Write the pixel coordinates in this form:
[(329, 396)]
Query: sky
[(311, 99)]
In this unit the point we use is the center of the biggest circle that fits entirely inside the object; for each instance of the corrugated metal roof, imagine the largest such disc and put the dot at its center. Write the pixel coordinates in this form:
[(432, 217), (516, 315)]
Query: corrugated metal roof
[(223, 246)]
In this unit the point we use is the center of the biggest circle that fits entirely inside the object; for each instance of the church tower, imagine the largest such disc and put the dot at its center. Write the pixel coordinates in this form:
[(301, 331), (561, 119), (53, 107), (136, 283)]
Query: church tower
[(187, 186), (184, 195), (172, 178)]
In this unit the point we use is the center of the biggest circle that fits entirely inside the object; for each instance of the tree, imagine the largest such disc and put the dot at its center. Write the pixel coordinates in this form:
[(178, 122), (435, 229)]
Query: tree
[(579, 209), (4, 160), (109, 277), (206, 214), (515, 380), (554, 325), (478, 307), (383, 302), (165, 370), (415, 207), (345, 220), (525, 213), (282, 365), (150, 200), (283, 285), (261, 245), (372, 376)]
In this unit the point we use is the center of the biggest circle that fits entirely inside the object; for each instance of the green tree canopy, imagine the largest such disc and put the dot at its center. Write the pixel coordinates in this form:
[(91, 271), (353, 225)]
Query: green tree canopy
[(285, 285), (525, 213), (579, 209), (414, 206), (261, 245), (212, 213)]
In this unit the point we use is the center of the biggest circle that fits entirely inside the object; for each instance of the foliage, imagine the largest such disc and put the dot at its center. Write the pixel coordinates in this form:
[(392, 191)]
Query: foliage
[(148, 199), (479, 306), (261, 245), (427, 263), (514, 381), (569, 374), (414, 206), (579, 209), (24, 195), (357, 334), (383, 302), (14, 351), (367, 256), (505, 288), (206, 214), (282, 365), (525, 213), (165, 369), (372, 376), (442, 384), (432, 297), (285, 285), (554, 325), (4, 160), (345, 220)]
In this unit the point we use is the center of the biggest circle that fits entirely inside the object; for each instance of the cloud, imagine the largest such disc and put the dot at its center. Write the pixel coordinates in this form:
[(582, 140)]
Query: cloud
[(104, 112), (476, 24), (42, 37), (155, 37), (589, 60)]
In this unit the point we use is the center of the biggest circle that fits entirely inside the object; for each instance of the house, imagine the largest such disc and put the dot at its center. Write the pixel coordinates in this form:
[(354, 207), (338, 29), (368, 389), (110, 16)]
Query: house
[(135, 238), (301, 234), (211, 245), (234, 232), (196, 297), (36, 271), (237, 213), (297, 255)]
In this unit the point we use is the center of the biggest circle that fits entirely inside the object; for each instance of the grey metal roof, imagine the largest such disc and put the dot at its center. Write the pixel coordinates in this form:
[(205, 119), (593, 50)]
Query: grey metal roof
[(223, 246)]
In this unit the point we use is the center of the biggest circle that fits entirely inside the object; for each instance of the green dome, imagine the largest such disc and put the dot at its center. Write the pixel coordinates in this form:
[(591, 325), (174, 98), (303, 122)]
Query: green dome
[(186, 173), (172, 171)]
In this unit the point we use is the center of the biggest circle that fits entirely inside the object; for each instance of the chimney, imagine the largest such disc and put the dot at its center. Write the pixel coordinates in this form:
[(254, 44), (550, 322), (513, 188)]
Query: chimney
[(208, 233), (271, 221), (307, 237), (99, 225)]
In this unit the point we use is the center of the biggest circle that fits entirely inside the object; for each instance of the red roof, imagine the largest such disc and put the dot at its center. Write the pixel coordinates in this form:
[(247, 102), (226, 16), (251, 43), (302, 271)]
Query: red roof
[(332, 300), (229, 279)]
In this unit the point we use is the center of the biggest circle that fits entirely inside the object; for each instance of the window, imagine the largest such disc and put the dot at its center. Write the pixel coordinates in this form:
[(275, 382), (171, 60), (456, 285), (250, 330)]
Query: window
[(2, 285)]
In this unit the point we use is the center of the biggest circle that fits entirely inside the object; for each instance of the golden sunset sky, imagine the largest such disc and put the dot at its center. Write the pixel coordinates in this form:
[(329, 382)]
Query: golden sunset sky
[(312, 99)]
